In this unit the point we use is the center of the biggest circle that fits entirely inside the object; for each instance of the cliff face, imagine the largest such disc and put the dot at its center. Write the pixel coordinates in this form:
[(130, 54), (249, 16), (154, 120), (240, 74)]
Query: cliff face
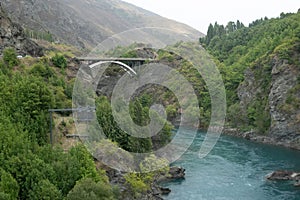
[(12, 35), (283, 99), (280, 97)]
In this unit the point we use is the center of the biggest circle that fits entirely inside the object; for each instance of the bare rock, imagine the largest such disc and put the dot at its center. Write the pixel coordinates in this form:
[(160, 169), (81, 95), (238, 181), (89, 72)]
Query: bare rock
[(12, 35), (176, 173), (280, 175), (284, 175)]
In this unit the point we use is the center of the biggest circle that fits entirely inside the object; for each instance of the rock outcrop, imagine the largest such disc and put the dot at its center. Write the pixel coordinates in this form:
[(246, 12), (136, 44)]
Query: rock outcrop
[(12, 35), (117, 178), (176, 172), (279, 88), (285, 123)]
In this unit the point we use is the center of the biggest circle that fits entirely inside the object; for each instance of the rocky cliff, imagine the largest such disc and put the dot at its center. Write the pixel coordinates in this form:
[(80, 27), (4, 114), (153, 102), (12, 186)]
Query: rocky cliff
[(12, 35), (277, 89), (284, 100)]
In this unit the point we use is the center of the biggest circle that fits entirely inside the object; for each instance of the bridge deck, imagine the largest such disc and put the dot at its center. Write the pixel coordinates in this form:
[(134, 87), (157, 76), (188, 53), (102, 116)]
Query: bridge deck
[(114, 59)]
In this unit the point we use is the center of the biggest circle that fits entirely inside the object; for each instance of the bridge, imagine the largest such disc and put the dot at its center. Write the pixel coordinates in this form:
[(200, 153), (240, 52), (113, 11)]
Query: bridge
[(125, 63), (96, 59)]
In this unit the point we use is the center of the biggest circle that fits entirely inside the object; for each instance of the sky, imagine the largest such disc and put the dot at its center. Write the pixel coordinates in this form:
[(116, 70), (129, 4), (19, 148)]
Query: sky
[(199, 14)]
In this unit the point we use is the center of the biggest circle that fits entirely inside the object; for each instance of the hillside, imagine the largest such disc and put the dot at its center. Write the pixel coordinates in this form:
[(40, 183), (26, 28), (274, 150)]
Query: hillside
[(261, 70), (85, 23), (12, 35)]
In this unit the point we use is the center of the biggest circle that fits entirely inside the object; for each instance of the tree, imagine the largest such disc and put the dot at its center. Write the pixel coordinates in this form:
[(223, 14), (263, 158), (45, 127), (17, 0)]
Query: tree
[(33, 98), (59, 61), (231, 27), (238, 24), (29, 170), (9, 188), (10, 57), (210, 34), (222, 30), (89, 189), (45, 190)]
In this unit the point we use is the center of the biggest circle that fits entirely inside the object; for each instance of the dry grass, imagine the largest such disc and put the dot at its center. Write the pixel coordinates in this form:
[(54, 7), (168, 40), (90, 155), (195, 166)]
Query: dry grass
[(64, 126), (52, 48)]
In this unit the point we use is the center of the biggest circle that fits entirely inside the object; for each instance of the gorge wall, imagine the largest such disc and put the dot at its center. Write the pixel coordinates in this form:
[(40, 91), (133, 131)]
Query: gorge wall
[(280, 96)]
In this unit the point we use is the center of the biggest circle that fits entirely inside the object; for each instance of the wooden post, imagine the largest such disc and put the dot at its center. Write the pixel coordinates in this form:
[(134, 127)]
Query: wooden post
[(51, 134)]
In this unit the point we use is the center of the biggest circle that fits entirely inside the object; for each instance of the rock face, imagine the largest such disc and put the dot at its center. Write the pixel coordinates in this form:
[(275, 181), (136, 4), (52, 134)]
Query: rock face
[(285, 124), (12, 35), (86, 23), (282, 94), (248, 89)]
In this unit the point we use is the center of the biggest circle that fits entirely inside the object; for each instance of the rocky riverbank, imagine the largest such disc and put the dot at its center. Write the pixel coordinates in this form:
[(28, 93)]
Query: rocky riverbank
[(154, 193), (293, 142)]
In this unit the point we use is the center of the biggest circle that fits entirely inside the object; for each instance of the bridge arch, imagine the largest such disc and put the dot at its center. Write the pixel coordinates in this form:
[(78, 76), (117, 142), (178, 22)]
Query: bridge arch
[(127, 68)]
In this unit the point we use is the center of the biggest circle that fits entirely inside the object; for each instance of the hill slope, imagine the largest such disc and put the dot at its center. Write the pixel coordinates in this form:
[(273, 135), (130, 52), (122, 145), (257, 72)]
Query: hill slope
[(84, 23), (261, 69), (12, 35)]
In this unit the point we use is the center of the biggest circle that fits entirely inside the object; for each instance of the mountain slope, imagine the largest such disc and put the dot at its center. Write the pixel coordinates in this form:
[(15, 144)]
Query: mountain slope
[(12, 35), (84, 23)]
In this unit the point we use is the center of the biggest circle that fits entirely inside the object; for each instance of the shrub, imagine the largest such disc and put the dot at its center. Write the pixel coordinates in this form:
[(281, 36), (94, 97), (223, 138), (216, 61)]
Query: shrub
[(10, 57), (59, 61), (89, 189)]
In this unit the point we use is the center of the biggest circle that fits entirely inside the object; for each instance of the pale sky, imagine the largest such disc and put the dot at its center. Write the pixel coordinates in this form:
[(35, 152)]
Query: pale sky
[(199, 14)]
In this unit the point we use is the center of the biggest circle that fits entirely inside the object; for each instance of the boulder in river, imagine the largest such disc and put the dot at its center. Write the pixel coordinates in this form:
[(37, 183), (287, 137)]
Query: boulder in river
[(285, 175), (176, 172)]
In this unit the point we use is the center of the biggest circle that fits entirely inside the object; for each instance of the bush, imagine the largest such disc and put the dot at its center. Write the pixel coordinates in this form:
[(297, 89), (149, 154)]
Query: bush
[(9, 187), (10, 57), (89, 189), (59, 61), (45, 190), (171, 111), (137, 183)]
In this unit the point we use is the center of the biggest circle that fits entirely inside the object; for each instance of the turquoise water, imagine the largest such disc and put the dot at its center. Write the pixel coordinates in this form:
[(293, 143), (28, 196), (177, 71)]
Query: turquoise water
[(234, 170)]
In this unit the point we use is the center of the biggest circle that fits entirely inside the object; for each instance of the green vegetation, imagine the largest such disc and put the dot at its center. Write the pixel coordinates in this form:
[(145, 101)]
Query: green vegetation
[(39, 35), (140, 183), (140, 115), (89, 189), (10, 58), (236, 48), (59, 61), (191, 74), (30, 168)]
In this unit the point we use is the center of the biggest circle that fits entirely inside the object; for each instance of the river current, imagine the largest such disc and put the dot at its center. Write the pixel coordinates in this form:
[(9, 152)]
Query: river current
[(234, 170)]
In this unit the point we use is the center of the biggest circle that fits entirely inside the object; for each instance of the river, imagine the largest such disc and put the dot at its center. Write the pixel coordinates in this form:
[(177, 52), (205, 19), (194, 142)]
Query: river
[(234, 170)]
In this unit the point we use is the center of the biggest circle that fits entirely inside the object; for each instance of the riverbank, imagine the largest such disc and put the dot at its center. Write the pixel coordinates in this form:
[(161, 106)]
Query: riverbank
[(291, 141), (155, 191)]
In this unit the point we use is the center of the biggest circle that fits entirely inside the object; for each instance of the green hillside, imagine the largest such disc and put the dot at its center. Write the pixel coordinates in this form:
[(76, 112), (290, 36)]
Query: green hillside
[(33, 169), (238, 49)]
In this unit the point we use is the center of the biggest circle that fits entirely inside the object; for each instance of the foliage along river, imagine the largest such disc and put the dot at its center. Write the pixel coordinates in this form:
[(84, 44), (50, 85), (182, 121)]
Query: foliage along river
[(234, 170)]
